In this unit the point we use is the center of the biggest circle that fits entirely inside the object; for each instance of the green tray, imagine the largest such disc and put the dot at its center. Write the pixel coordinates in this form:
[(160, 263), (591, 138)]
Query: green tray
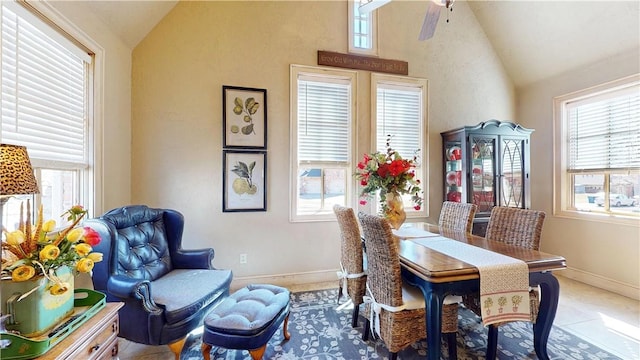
[(86, 304)]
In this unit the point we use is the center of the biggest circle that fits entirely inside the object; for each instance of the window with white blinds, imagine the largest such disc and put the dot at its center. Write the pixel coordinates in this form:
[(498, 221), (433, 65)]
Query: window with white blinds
[(44, 89), (322, 125), (323, 120), (399, 115), (399, 109), (597, 152), (604, 131), (47, 79)]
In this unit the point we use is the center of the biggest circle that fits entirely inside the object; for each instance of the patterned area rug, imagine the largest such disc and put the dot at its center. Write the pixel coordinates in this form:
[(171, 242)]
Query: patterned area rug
[(318, 331)]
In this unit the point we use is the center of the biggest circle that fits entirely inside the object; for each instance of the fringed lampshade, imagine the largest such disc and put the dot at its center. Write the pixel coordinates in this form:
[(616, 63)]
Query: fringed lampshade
[(16, 174)]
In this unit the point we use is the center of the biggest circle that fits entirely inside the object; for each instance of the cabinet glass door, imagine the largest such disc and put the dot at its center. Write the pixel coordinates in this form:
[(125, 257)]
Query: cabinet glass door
[(483, 173), (512, 174), (453, 171)]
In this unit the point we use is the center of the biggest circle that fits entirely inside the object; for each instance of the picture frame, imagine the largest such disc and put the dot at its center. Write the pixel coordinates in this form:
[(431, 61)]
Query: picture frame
[(244, 181), (244, 117)]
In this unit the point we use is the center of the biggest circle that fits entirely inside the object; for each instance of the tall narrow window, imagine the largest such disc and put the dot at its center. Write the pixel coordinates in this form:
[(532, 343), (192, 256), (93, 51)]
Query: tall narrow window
[(363, 35), (322, 125), (600, 132), (46, 81), (399, 104)]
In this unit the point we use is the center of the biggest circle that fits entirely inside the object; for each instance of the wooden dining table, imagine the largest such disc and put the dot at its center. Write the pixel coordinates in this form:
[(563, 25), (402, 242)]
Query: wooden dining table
[(439, 275)]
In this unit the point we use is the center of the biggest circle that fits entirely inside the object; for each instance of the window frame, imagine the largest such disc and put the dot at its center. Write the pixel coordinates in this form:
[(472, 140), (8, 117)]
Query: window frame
[(563, 185), (373, 33), (422, 85), (321, 73), (88, 177)]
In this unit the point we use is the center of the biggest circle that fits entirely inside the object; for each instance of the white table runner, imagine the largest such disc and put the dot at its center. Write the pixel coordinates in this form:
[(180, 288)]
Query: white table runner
[(412, 232), (504, 281)]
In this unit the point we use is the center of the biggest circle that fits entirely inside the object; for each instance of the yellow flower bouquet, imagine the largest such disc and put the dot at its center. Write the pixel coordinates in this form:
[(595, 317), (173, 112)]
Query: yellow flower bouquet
[(29, 251)]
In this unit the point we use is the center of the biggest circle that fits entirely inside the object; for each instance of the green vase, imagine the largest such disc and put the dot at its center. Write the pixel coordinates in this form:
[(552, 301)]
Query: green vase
[(40, 311)]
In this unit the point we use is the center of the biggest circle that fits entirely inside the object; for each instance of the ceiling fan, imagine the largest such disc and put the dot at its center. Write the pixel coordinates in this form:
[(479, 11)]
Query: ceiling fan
[(430, 19)]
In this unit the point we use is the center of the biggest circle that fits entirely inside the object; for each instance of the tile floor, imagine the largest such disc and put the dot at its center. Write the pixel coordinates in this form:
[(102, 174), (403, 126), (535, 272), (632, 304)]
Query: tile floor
[(603, 318)]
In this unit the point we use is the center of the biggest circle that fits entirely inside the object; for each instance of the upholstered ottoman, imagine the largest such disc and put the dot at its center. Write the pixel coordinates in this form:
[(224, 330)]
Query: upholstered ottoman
[(247, 319)]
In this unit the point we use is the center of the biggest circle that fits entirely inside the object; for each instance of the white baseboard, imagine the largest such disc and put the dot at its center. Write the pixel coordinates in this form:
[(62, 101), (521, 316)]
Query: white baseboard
[(601, 282), (287, 280)]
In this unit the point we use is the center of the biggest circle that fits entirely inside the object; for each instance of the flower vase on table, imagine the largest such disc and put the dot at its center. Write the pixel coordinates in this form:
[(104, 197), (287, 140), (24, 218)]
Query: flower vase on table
[(38, 268), (394, 210), (390, 176)]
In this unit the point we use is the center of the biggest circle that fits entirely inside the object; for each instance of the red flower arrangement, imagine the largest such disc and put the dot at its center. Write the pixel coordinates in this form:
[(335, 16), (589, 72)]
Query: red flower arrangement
[(388, 173)]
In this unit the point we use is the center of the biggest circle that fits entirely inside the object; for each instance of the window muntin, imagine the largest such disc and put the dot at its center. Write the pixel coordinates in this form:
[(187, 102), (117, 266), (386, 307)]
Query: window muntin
[(399, 109), (323, 120), (598, 142), (46, 86), (363, 35)]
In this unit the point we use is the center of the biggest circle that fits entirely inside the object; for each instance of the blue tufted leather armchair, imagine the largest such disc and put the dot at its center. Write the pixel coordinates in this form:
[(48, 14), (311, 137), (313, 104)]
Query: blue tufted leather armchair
[(166, 290)]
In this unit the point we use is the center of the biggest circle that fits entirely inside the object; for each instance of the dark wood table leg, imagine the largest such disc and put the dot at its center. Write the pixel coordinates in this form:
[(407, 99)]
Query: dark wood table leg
[(433, 301), (433, 296), (549, 294), (492, 342)]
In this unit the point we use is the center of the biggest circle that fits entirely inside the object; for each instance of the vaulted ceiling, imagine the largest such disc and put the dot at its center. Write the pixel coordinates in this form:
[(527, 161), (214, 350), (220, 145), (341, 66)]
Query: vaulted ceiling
[(539, 39), (130, 20), (534, 39)]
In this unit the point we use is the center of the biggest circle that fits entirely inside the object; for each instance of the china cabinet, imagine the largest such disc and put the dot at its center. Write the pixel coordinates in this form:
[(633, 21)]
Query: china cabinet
[(488, 165)]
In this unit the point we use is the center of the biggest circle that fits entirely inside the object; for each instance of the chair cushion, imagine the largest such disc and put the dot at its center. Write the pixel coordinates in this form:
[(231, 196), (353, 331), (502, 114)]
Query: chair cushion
[(184, 292), (249, 310), (452, 299), (412, 297)]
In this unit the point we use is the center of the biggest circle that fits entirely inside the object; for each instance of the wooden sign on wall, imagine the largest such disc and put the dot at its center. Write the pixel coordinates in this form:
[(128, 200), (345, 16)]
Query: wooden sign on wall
[(360, 62)]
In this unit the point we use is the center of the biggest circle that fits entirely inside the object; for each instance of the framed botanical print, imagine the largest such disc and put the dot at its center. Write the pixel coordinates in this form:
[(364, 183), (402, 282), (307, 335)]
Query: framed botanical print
[(245, 180), (244, 117)]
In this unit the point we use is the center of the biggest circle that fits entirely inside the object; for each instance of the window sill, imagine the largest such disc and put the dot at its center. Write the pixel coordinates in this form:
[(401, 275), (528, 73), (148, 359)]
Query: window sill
[(599, 217)]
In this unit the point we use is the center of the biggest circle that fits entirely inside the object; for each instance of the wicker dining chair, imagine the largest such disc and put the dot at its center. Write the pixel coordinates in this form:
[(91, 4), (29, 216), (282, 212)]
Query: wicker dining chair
[(457, 216), (401, 320), (518, 227), (352, 275)]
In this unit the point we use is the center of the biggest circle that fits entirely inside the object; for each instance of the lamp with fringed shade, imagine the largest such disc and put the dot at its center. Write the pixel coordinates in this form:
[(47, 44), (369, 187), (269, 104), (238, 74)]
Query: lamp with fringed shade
[(16, 174)]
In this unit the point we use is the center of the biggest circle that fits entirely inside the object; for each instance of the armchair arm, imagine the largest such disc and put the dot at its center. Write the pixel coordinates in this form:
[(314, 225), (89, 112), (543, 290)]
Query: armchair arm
[(193, 259), (127, 288)]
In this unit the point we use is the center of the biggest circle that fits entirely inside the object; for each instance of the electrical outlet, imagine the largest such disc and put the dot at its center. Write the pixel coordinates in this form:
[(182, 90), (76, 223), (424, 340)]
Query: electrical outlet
[(243, 258)]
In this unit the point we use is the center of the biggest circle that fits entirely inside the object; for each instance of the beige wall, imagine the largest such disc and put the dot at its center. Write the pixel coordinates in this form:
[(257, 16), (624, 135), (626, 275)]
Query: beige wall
[(178, 73), (600, 253)]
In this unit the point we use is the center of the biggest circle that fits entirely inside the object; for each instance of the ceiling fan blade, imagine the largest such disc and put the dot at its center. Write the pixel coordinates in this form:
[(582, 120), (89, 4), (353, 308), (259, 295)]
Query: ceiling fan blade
[(368, 6), (430, 21)]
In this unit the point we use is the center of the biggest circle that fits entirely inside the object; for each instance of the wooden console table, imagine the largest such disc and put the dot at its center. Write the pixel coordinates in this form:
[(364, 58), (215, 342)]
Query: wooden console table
[(96, 339)]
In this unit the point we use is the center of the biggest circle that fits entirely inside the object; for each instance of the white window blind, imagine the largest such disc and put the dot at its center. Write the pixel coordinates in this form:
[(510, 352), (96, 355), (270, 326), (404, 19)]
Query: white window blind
[(604, 132), (399, 113), (44, 90), (323, 121)]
